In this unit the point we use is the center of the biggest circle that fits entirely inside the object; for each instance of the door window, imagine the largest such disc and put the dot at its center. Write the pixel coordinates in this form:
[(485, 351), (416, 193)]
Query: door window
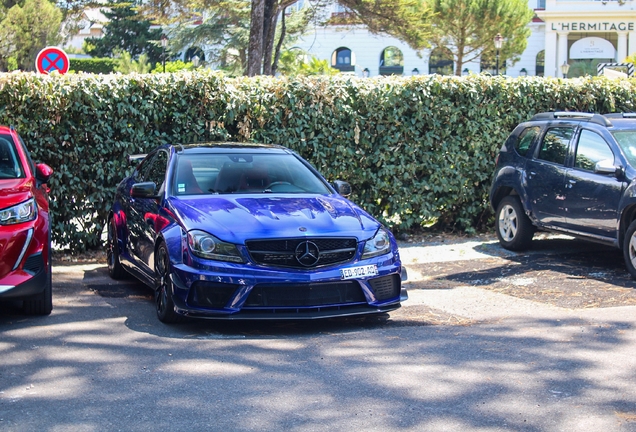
[(554, 147), (592, 148)]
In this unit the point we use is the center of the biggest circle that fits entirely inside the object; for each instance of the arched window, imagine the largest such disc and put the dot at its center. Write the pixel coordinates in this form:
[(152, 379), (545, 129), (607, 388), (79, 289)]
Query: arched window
[(194, 51), (343, 59), (441, 61), (540, 63), (391, 61)]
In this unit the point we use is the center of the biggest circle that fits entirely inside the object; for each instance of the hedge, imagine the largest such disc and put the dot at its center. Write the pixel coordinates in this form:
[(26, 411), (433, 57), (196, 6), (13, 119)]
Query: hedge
[(418, 151), (93, 65)]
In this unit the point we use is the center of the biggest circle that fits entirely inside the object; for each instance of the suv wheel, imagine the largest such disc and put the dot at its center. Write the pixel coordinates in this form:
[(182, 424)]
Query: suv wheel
[(629, 249), (514, 229)]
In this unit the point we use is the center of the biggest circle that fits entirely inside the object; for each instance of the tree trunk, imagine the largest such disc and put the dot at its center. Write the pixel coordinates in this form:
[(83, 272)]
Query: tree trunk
[(255, 51), (269, 34), (279, 45)]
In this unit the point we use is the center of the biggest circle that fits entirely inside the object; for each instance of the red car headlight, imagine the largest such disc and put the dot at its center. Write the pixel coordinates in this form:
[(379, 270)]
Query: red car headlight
[(23, 212)]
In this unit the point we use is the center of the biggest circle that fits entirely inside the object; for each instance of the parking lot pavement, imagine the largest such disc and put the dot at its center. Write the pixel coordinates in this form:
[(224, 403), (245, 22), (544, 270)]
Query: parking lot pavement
[(560, 277), (461, 354)]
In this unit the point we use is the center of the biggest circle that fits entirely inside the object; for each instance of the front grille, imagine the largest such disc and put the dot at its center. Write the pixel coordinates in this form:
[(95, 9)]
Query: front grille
[(33, 264), (299, 295), (385, 287), (302, 252), (211, 294)]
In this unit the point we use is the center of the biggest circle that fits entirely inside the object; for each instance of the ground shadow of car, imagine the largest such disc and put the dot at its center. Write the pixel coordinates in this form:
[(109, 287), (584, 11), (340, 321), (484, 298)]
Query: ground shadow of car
[(560, 271)]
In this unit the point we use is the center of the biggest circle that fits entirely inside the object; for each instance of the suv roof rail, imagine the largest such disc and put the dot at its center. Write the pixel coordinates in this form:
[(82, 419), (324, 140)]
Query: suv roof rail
[(620, 115), (590, 117)]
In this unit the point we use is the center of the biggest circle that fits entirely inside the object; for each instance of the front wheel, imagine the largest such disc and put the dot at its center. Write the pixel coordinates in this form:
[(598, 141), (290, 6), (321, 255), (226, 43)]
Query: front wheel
[(514, 229), (41, 304), (629, 249), (163, 288), (115, 269)]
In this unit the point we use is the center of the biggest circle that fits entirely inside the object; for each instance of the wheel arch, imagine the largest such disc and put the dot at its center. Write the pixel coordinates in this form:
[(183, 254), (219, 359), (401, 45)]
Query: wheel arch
[(627, 217), (501, 193)]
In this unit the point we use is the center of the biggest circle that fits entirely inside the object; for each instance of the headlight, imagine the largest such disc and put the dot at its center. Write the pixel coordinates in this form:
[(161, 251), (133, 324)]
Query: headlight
[(205, 245), (23, 212), (378, 245)]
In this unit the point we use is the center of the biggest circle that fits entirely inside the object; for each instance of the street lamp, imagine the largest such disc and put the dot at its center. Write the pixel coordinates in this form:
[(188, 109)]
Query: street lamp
[(164, 44), (195, 61), (523, 72), (465, 71), (498, 45), (365, 72), (565, 67), (415, 71)]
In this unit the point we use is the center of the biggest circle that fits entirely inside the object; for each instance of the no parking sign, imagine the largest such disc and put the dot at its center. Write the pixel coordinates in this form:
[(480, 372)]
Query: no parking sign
[(52, 59)]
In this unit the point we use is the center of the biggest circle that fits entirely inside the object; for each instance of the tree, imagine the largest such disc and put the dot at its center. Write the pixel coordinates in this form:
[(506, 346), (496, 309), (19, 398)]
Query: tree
[(26, 30), (126, 31), (408, 20), (468, 28)]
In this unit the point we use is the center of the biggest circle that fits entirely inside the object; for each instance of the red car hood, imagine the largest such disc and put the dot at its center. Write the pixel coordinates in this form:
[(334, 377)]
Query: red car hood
[(14, 191)]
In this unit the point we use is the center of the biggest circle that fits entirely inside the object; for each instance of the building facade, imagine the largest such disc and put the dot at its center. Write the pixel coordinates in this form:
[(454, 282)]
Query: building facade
[(580, 33)]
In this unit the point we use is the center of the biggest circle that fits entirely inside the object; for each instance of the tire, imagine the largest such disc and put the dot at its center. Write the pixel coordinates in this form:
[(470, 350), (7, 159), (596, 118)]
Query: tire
[(629, 249), (115, 269), (163, 288), (40, 304), (514, 229)]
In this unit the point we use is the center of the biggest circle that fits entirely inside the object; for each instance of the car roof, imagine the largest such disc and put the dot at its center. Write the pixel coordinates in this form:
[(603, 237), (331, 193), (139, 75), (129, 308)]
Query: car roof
[(611, 121), (224, 147)]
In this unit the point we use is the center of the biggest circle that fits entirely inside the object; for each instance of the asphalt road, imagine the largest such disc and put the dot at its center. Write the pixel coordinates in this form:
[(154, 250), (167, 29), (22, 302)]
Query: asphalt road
[(457, 359)]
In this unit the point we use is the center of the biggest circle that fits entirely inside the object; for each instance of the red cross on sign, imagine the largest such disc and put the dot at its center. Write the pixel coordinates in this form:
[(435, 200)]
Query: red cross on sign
[(52, 59)]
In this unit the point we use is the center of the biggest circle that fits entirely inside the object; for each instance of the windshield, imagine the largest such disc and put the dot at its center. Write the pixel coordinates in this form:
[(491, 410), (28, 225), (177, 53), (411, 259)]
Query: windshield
[(627, 142), (10, 167), (241, 173)]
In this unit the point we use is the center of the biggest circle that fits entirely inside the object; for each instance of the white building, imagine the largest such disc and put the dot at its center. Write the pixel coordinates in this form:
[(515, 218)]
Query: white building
[(579, 32)]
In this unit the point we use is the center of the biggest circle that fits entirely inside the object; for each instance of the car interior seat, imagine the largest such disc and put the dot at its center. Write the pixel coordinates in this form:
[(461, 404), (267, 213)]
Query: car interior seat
[(186, 181), (229, 178), (255, 178)]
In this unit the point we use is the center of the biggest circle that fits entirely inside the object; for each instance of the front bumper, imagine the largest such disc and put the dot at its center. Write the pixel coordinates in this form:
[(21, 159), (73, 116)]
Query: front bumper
[(245, 292), (25, 282)]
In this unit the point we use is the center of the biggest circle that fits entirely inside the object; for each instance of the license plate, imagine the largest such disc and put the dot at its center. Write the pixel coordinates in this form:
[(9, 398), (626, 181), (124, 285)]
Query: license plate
[(359, 272)]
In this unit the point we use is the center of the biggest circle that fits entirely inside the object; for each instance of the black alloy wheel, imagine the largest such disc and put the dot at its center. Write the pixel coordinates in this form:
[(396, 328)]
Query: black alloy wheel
[(163, 288)]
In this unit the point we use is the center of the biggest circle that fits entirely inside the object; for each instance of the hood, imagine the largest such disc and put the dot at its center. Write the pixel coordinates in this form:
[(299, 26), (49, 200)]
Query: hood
[(238, 218), (14, 191)]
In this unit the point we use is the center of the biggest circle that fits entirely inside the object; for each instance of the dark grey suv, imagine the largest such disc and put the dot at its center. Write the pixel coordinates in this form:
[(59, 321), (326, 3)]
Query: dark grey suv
[(572, 173)]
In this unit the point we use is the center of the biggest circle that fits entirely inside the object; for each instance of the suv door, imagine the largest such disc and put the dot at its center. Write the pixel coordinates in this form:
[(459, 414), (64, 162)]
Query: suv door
[(545, 176), (592, 199)]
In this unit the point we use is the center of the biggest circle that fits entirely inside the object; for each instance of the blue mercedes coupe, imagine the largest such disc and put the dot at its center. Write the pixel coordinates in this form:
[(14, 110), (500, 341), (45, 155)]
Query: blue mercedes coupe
[(249, 231)]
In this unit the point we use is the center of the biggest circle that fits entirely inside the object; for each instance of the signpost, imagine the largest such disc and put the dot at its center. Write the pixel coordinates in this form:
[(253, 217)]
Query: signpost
[(52, 59)]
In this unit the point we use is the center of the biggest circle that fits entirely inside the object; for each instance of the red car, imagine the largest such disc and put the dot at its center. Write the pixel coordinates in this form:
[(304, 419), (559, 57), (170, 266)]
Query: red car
[(25, 233)]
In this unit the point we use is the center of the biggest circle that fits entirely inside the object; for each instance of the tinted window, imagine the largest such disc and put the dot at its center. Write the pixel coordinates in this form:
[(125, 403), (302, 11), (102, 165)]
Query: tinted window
[(525, 140), (153, 169), (591, 149), (627, 142), (10, 166), (554, 147), (244, 173)]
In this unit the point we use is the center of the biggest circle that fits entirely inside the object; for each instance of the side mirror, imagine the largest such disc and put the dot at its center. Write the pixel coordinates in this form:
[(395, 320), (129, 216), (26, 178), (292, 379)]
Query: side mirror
[(606, 166), (144, 190), (342, 187), (43, 172)]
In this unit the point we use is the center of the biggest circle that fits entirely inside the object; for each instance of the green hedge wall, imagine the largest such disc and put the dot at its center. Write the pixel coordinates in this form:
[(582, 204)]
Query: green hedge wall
[(93, 65), (417, 151)]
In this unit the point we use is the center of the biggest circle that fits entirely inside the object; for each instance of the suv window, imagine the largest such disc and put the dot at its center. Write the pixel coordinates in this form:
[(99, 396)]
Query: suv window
[(525, 140), (592, 148), (554, 147)]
